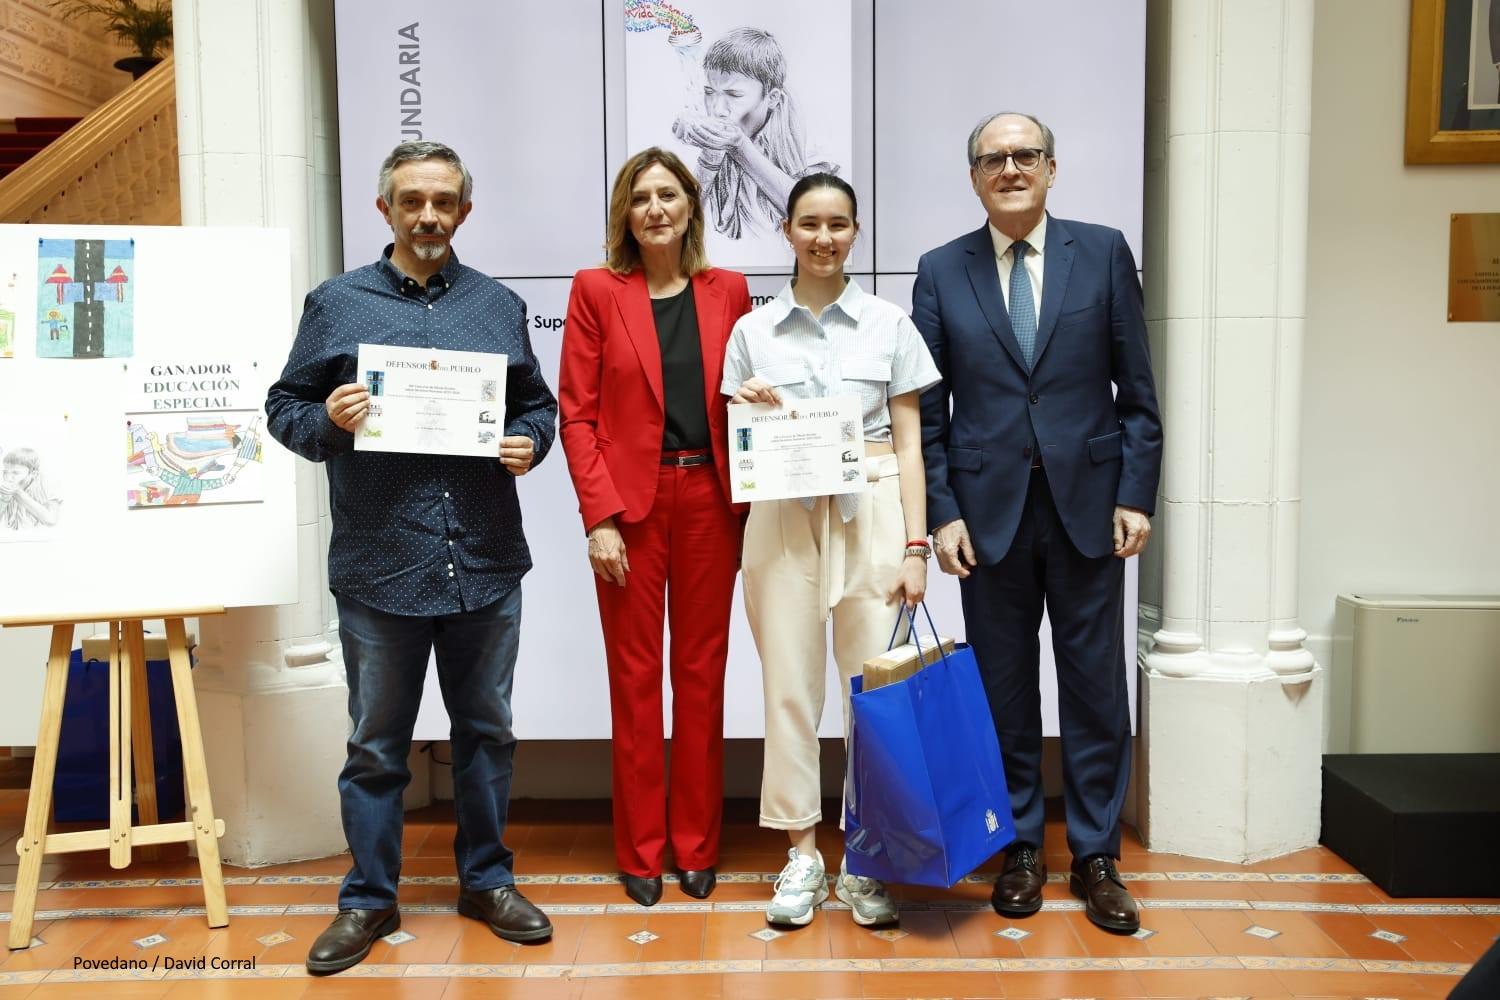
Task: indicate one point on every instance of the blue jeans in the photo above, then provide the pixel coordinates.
(385, 656)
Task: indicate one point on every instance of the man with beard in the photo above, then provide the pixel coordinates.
(426, 553)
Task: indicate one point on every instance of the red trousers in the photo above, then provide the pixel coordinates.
(683, 558)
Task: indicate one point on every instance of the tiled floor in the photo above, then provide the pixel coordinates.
(1305, 925)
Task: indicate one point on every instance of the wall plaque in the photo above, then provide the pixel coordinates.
(1474, 268)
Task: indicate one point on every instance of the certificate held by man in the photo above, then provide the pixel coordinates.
(802, 448)
(432, 401)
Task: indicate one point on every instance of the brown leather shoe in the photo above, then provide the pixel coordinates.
(1018, 889)
(1096, 881)
(509, 914)
(347, 940)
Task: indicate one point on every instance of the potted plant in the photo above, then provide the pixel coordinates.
(145, 27)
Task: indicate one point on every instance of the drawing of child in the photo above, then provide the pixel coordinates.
(24, 501)
(750, 134)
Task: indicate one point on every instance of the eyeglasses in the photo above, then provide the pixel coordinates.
(1026, 160)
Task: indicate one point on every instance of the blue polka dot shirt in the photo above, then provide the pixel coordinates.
(414, 534)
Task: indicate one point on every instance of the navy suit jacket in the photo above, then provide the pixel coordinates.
(1089, 400)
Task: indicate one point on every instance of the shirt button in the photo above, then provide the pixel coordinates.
(450, 566)
(1035, 398)
(445, 492)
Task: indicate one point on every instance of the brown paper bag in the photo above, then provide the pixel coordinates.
(901, 662)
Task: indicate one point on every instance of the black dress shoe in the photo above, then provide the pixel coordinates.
(1018, 888)
(644, 889)
(509, 914)
(698, 882)
(347, 940)
(1096, 881)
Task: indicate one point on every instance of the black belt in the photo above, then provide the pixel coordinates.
(684, 459)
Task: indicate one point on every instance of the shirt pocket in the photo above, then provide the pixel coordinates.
(783, 373)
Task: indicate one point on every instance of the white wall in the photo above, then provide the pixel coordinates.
(1401, 432)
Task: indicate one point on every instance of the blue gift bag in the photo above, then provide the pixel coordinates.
(925, 800)
(80, 783)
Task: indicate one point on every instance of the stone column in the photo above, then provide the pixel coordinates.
(257, 143)
(1233, 719)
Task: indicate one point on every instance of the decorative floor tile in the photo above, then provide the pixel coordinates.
(890, 934)
(1297, 906)
(1013, 934)
(1390, 936)
(1319, 878)
(149, 942)
(272, 940)
(1266, 933)
(642, 937)
(767, 934)
(1218, 877)
(398, 937)
(1144, 934)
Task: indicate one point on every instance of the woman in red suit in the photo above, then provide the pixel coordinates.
(644, 429)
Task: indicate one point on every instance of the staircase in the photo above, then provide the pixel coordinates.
(115, 166)
(30, 137)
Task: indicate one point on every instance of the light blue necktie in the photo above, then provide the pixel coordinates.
(1022, 309)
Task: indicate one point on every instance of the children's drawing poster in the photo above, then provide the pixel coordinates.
(193, 431)
(9, 309)
(33, 461)
(85, 298)
(133, 460)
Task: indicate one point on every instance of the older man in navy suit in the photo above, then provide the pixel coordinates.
(1043, 449)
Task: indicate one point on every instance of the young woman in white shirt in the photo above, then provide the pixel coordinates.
(849, 558)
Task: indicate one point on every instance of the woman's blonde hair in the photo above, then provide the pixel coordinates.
(623, 253)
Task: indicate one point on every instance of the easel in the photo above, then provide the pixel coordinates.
(129, 728)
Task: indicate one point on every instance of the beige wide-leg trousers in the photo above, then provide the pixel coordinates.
(801, 567)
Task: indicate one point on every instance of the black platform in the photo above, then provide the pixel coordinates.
(1416, 824)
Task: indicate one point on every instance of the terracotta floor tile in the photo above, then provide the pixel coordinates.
(1473, 934)
(1351, 932)
(1100, 943)
(931, 984)
(351, 988)
(606, 939)
(1209, 983)
(797, 986)
(1175, 934)
(1226, 931)
(237, 989)
(1426, 938)
(810, 942)
(1300, 984)
(1298, 935)
(1050, 985)
(113, 991)
(922, 934)
(975, 934)
(663, 987)
(1051, 935)
(679, 937)
(726, 937)
(529, 988)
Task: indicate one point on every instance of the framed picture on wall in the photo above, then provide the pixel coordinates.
(1453, 83)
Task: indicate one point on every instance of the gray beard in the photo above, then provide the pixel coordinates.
(429, 251)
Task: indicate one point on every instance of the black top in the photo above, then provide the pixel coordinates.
(681, 372)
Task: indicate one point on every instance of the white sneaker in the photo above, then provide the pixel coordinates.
(868, 899)
(800, 887)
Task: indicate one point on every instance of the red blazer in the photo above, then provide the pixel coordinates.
(610, 395)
